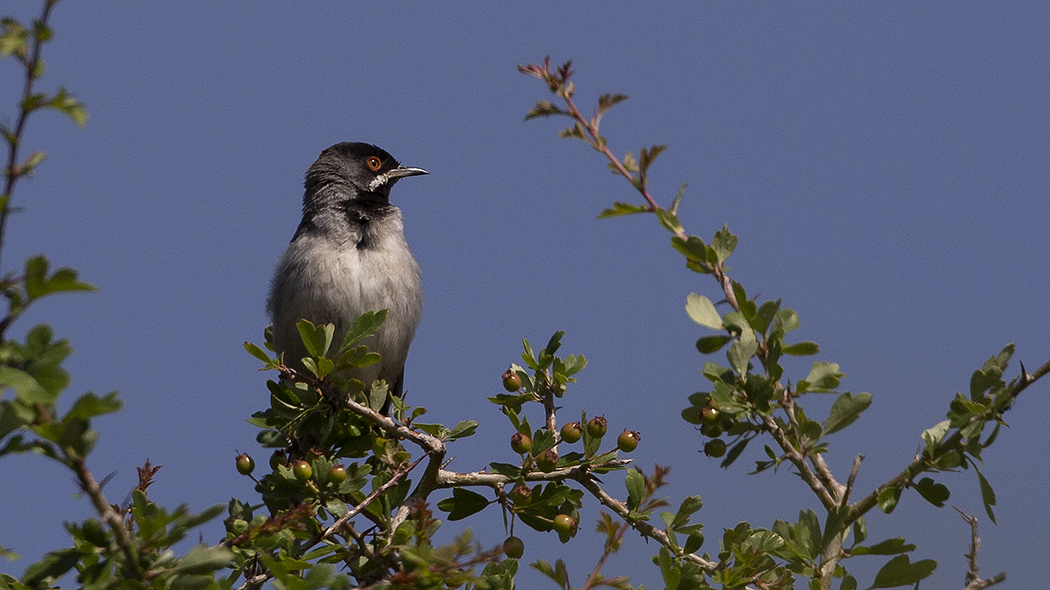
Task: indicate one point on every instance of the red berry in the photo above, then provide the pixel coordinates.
(597, 426)
(514, 547)
(628, 441)
(245, 464)
(511, 381)
(571, 432)
(520, 443)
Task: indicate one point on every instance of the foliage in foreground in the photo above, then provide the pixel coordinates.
(348, 495)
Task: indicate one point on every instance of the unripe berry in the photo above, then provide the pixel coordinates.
(710, 414)
(548, 461)
(514, 547)
(245, 464)
(564, 524)
(520, 443)
(628, 441)
(571, 432)
(715, 448)
(597, 426)
(711, 430)
(520, 493)
(302, 471)
(511, 381)
(277, 459)
(337, 474)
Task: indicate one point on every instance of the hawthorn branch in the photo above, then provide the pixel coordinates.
(109, 516)
(950, 443)
(799, 461)
(973, 576)
(13, 171)
(643, 528)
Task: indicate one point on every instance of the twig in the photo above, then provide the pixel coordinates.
(950, 443)
(110, 516)
(973, 576)
(646, 529)
(852, 478)
(397, 477)
(30, 62)
(610, 546)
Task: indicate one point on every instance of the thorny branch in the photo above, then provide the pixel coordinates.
(973, 576)
(812, 467)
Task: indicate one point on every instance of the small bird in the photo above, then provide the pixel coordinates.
(349, 256)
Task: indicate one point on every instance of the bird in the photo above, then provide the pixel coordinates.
(348, 256)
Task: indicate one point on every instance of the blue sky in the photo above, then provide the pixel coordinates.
(885, 166)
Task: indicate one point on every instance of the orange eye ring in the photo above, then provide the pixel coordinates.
(373, 163)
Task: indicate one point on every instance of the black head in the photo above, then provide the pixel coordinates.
(363, 170)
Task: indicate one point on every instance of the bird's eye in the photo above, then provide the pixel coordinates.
(374, 163)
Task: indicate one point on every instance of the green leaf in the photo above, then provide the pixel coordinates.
(463, 503)
(635, 488)
(543, 108)
(935, 434)
(647, 156)
(13, 38)
(201, 559)
(558, 573)
(26, 387)
(689, 506)
(463, 429)
(506, 469)
(734, 452)
(845, 410)
(363, 327)
(619, 209)
(887, 547)
(801, 349)
(693, 542)
(702, 311)
(887, 499)
(669, 220)
(51, 567)
(724, 243)
(741, 351)
(693, 248)
(987, 494)
(316, 339)
(257, 352)
(607, 101)
(378, 394)
(710, 344)
(90, 405)
(823, 378)
(63, 102)
(900, 571)
(934, 493)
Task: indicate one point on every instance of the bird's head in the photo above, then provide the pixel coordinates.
(357, 171)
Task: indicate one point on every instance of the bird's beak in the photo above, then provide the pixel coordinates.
(402, 171)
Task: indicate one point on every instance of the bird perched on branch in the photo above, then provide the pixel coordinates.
(349, 256)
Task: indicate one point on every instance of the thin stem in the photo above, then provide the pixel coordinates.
(646, 529)
(14, 172)
(609, 548)
(109, 516)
